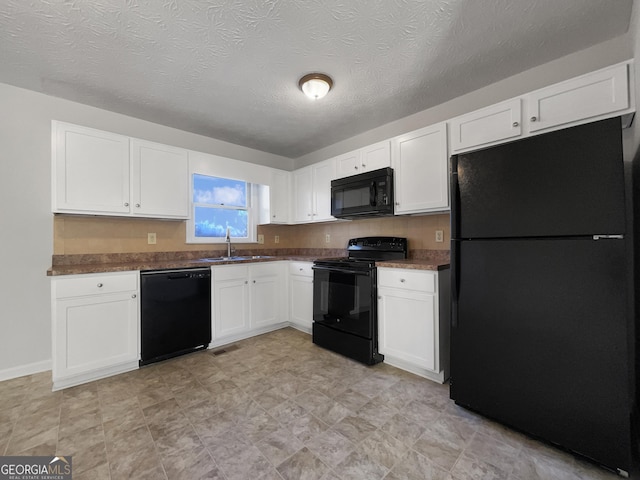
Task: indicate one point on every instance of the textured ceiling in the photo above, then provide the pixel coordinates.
(228, 69)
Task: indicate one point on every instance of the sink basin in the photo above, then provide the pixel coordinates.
(235, 258)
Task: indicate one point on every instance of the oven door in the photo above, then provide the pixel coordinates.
(344, 299)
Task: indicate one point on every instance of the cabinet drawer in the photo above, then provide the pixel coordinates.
(81, 285)
(407, 279)
(230, 272)
(301, 268)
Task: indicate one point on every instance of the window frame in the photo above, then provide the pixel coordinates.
(251, 209)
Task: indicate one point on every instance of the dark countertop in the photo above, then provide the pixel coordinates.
(416, 264)
(102, 263)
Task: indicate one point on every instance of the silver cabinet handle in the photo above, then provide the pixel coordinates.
(397, 203)
(308, 214)
(274, 216)
(246, 281)
(126, 204)
(364, 166)
(356, 167)
(99, 285)
(254, 281)
(534, 119)
(137, 205)
(133, 296)
(515, 124)
(379, 297)
(402, 280)
(302, 269)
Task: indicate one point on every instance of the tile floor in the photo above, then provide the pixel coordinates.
(276, 408)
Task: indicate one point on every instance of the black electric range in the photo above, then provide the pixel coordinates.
(345, 297)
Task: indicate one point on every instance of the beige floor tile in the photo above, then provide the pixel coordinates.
(272, 407)
(304, 465)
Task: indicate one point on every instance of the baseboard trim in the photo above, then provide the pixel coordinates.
(22, 370)
(440, 377)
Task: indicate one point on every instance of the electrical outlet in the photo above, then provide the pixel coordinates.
(276, 239)
(151, 238)
(439, 236)
(260, 238)
(327, 238)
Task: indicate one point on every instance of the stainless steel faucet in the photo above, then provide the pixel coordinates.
(227, 239)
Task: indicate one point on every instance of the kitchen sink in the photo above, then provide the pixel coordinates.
(235, 258)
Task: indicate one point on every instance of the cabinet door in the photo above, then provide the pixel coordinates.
(301, 301)
(407, 327)
(94, 332)
(579, 100)
(376, 156)
(160, 180)
(487, 126)
(90, 170)
(348, 164)
(421, 170)
(265, 300)
(302, 195)
(323, 173)
(279, 197)
(230, 307)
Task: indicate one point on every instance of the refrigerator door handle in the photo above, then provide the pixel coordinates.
(608, 237)
(455, 198)
(455, 281)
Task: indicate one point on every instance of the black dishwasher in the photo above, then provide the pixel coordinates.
(175, 311)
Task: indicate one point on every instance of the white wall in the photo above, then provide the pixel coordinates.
(604, 54)
(26, 238)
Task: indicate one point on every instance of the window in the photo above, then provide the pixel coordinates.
(220, 204)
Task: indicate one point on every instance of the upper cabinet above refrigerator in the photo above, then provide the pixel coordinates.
(587, 98)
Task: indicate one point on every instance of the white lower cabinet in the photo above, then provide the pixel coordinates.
(413, 320)
(95, 322)
(247, 299)
(301, 295)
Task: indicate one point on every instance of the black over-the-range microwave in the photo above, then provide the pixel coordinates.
(362, 195)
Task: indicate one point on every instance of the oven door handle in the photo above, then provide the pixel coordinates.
(341, 270)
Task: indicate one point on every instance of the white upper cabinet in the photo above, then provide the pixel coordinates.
(312, 192)
(348, 164)
(498, 122)
(96, 172)
(302, 195)
(366, 159)
(90, 170)
(279, 197)
(376, 156)
(421, 173)
(160, 180)
(586, 98)
(594, 96)
(323, 173)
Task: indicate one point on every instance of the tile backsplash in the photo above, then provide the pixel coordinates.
(80, 234)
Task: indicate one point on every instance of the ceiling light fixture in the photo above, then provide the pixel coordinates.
(315, 85)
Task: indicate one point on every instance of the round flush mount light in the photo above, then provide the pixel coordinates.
(315, 85)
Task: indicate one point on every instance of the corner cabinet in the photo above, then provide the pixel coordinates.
(247, 300)
(587, 98)
(301, 295)
(413, 321)
(421, 172)
(312, 192)
(95, 324)
(102, 173)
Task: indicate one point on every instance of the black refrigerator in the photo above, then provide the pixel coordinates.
(542, 334)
